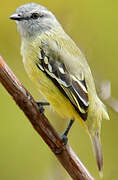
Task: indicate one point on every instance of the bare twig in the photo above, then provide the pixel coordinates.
(104, 91)
(25, 101)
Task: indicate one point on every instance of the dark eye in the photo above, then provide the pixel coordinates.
(35, 16)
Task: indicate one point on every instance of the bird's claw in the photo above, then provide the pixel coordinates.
(41, 106)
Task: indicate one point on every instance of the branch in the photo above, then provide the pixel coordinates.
(25, 101)
(104, 91)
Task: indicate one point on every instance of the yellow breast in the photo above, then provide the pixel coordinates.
(46, 86)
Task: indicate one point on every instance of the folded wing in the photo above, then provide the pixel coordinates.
(73, 88)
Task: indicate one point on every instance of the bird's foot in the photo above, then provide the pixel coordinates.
(65, 133)
(41, 106)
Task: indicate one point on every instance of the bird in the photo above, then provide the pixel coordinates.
(60, 71)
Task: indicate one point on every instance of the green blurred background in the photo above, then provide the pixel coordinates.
(93, 24)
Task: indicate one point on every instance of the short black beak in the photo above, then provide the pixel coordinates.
(16, 17)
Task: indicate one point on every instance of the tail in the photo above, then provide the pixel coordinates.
(96, 114)
(97, 151)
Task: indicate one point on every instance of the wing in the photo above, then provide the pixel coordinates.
(73, 88)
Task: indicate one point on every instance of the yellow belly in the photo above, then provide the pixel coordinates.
(54, 96)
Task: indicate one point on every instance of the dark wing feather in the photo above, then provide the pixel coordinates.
(74, 89)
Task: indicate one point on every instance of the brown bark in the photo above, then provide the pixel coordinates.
(25, 101)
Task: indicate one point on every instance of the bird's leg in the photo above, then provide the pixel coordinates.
(41, 104)
(65, 133)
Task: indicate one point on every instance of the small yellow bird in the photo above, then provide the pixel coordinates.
(60, 71)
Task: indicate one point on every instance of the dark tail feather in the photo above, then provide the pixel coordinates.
(97, 151)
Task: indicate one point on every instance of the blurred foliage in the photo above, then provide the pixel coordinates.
(23, 154)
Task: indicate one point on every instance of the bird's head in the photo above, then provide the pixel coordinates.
(33, 18)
